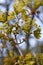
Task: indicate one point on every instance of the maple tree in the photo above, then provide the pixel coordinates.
(24, 10)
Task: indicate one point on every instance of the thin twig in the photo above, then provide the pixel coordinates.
(17, 46)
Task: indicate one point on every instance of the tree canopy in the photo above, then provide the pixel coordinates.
(26, 11)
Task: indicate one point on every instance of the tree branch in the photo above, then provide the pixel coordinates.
(17, 46)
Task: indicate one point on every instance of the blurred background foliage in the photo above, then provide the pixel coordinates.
(21, 32)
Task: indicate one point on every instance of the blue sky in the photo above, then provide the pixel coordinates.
(2, 1)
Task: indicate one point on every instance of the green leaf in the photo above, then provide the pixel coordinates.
(37, 33)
